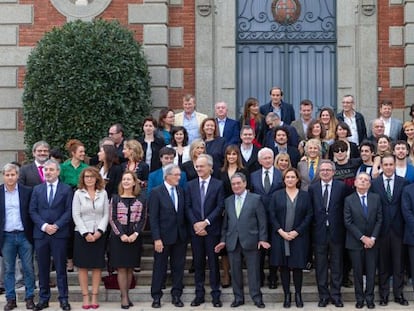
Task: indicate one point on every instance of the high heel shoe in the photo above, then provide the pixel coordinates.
(94, 305)
(86, 306)
(288, 300)
(298, 300)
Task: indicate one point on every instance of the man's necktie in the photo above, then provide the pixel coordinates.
(364, 205)
(267, 182)
(202, 197)
(42, 176)
(311, 170)
(325, 201)
(51, 195)
(389, 194)
(238, 205)
(172, 195)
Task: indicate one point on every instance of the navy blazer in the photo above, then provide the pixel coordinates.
(213, 205)
(29, 175)
(357, 224)
(392, 218)
(24, 201)
(60, 213)
(215, 148)
(167, 224)
(287, 111)
(256, 186)
(335, 215)
(231, 132)
(407, 207)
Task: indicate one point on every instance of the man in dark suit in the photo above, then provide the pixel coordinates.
(243, 233)
(277, 105)
(354, 119)
(116, 133)
(16, 235)
(169, 232)
(389, 187)
(265, 187)
(327, 198)
(51, 212)
(204, 203)
(273, 122)
(363, 220)
(32, 174)
(280, 144)
(228, 128)
(248, 150)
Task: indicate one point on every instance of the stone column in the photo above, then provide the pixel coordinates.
(409, 52)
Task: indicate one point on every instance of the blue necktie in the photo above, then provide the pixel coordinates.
(202, 197)
(364, 205)
(172, 195)
(311, 170)
(50, 200)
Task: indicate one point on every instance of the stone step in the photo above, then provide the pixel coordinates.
(143, 294)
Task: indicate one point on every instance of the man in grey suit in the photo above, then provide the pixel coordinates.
(243, 233)
(392, 125)
(33, 174)
(306, 113)
(363, 220)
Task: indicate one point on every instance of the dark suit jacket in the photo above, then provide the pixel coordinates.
(303, 217)
(287, 111)
(60, 213)
(293, 153)
(231, 132)
(249, 228)
(213, 205)
(167, 224)
(256, 186)
(215, 148)
(357, 224)
(113, 179)
(259, 130)
(335, 215)
(407, 207)
(392, 218)
(29, 175)
(253, 163)
(24, 200)
(360, 123)
(156, 145)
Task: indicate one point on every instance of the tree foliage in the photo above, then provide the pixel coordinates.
(80, 79)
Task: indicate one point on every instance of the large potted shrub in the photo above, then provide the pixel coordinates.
(81, 78)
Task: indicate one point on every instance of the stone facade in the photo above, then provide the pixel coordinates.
(190, 46)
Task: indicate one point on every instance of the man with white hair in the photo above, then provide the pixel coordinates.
(228, 128)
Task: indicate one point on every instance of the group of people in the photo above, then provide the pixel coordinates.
(309, 192)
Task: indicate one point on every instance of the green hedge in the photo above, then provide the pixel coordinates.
(81, 78)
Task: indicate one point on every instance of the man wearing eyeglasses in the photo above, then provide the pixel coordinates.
(116, 133)
(354, 119)
(327, 197)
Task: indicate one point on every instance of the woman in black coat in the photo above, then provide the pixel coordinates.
(290, 216)
(214, 143)
(151, 144)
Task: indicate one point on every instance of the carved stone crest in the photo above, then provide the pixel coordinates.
(286, 12)
(80, 9)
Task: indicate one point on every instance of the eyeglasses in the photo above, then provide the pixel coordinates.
(326, 170)
(339, 150)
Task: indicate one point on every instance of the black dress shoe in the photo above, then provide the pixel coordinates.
(64, 305)
(338, 303)
(323, 303)
(10, 305)
(370, 305)
(41, 305)
(383, 301)
(176, 301)
(236, 304)
(359, 304)
(217, 303)
(156, 303)
(287, 301)
(197, 301)
(401, 300)
(29, 304)
(259, 304)
(298, 300)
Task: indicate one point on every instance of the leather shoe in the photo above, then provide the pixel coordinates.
(298, 300)
(156, 303)
(236, 303)
(41, 305)
(287, 301)
(176, 301)
(217, 303)
(64, 305)
(359, 305)
(323, 303)
(259, 304)
(197, 301)
(338, 303)
(383, 301)
(10, 305)
(29, 304)
(401, 300)
(370, 305)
